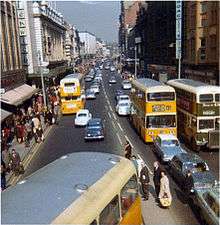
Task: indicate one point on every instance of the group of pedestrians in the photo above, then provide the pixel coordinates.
(26, 123)
(160, 179)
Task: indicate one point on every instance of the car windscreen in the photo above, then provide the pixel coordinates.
(196, 167)
(170, 143)
(82, 115)
(124, 104)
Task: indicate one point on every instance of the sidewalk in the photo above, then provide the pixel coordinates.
(25, 151)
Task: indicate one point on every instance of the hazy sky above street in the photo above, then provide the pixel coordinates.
(98, 17)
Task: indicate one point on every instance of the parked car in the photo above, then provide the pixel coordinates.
(202, 176)
(112, 80)
(123, 108)
(126, 85)
(95, 88)
(94, 130)
(167, 146)
(207, 203)
(123, 98)
(90, 94)
(82, 117)
(118, 92)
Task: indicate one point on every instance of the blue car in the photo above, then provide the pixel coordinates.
(167, 146)
(94, 130)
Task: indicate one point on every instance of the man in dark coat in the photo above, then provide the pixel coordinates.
(145, 180)
(156, 177)
(128, 151)
(189, 184)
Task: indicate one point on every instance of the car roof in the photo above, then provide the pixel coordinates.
(189, 157)
(95, 121)
(167, 137)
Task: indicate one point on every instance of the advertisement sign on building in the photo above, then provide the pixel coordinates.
(178, 28)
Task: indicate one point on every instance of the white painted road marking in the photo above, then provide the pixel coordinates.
(109, 115)
(114, 116)
(119, 138)
(126, 137)
(120, 126)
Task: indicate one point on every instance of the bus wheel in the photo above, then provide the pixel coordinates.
(195, 147)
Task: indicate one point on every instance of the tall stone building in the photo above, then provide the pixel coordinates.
(14, 91)
(201, 32)
(42, 35)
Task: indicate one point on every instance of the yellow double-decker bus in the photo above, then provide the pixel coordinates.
(90, 188)
(72, 93)
(153, 108)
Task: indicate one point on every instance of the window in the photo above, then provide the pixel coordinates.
(202, 54)
(161, 96)
(204, 22)
(203, 42)
(69, 98)
(206, 124)
(129, 194)
(69, 84)
(203, 7)
(161, 121)
(217, 97)
(206, 98)
(110, 214)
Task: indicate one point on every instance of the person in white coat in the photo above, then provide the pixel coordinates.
(164, 186)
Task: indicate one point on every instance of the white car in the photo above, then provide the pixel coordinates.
(126, 85)
(95, 88)
(82, 117)
(123, 108)
(123, 98)
(112, 69)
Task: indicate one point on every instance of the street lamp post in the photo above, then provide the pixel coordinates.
(42, 79)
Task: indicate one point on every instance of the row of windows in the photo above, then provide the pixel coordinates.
(111, 213)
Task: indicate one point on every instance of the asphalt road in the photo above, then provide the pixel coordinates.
(65, 138)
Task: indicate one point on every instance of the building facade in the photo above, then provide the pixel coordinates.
(201, 60)
(12, 70)
(89, 41)
(42, 37)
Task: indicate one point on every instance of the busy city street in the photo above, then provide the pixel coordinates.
(110, 112)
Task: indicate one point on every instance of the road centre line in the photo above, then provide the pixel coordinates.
(114, 116)
(145, 164)
(109, 114)
(120, 126)
(119, 138)
(113, 124)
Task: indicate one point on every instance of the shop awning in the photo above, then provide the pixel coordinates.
(4, 114)
(18, 95)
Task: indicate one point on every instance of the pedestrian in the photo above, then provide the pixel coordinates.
(28, 128)
(128, 150)
(3, 174)
(189, 184)
(145, 180)
(134, 160)
(56, 112)
(156, 177)
(6, 156)
(15, 162)
(164, 187)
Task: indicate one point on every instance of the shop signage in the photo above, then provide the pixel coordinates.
(178, 28)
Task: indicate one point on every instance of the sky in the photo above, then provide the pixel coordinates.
(98, 17)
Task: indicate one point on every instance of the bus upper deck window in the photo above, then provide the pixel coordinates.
(69, 84)
(161, 96)
(129, 194)
(206, 98)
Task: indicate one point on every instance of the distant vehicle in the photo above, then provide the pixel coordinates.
(94, 130)
(112, 80)
(107, 67)
(100, 189)
(95, 88)
(112, 68)
(82, 117)
(98, 79)
(90, 94)
(88, 78)
(207, 203)
(123, 98)
(202, 177)
(101, 67)
(118, 93)
(126, 85)
(167, 146)
(123, 108)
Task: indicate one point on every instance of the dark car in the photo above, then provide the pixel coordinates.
(94, 130)
(202, 177)
(118, 92)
